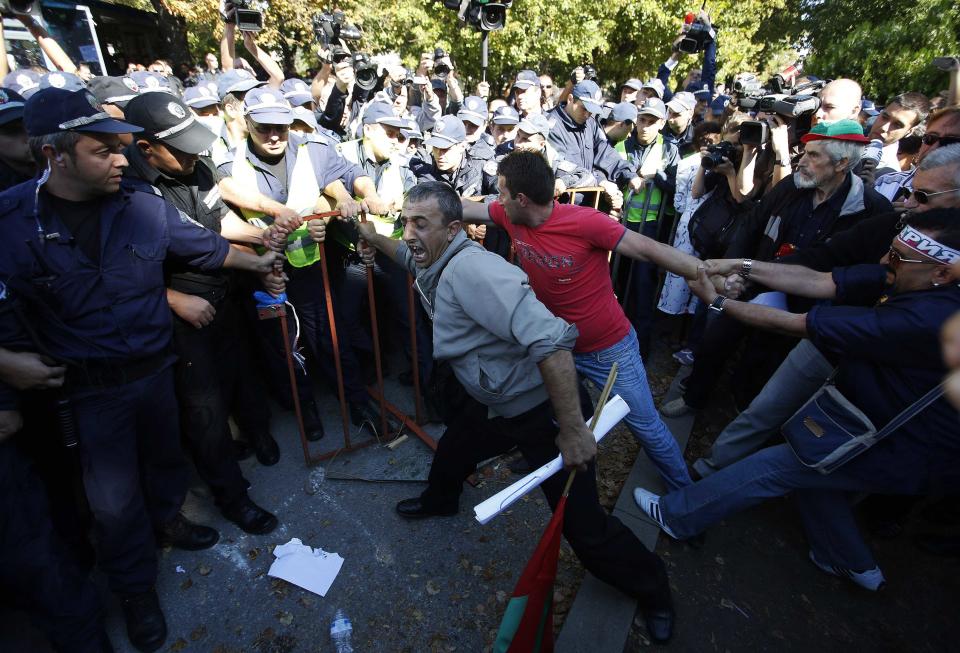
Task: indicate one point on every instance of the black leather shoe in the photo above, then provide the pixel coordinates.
(146, 627)
(249, 516)
(242, 449)
(416, 509)
(659, 625)
(312, 424)
(181, 533)
(265, 448)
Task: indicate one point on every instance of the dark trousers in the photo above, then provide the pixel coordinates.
(392, 282)
(762, 354)
(134, 472)
(37, 571)
(640, 296)
(607, 548)
(207, 374)
(305, 290)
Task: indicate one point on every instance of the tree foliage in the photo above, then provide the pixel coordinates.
(885, 46)
(888, 47)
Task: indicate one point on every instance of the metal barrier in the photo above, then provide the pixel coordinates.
(377, 392)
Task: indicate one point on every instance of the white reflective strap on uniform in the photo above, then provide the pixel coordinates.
(85, 120)
(118, 98)
(176, 129)
(211, 199)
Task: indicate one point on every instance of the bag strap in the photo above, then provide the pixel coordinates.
(910, 412)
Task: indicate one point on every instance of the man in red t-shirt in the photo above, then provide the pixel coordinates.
(563, 249)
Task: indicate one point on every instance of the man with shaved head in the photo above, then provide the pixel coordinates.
(838, 100)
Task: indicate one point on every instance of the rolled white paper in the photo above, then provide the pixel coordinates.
(614, 411)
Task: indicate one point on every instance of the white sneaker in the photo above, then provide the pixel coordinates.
(650, 504)
(871, 579)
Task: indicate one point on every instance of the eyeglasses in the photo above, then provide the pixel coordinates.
(933, 139)
(923, 196)
(896, 258)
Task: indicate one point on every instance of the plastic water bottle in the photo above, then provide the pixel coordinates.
(341, 631)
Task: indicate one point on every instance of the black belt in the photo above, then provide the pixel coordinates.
(112, 372)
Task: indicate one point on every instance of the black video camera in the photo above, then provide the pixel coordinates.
(696, 37)
(717, 153)
(440, 69)
(329, 28)
(589, 72)
(243, 13)
(21, 7)
(365, 70)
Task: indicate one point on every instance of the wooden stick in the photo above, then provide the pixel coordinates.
(608, 386)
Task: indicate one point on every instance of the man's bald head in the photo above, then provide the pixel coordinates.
(838, 100)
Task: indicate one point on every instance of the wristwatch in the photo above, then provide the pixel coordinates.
(717, 304)
(746, 267)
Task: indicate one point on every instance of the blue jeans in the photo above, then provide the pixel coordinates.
(799, 376)
(823, 502)
(643, 420)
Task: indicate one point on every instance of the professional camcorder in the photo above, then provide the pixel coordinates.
(795, 103)
(246, 14)
(330, 27)
(440, 69)
(697, 34)
(365, 70)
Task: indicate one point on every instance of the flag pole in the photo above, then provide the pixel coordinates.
(608, 386)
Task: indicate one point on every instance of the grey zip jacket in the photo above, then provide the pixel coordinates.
(490, 326)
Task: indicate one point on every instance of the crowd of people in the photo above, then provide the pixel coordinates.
(805, 236)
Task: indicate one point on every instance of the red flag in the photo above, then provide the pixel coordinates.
(527, 625)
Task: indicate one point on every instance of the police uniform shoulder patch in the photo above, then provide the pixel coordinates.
(186, 219)
(129, 83)
(490, 167)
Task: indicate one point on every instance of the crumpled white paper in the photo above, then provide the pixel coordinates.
(312, 569)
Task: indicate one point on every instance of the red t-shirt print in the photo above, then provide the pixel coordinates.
(566, 260)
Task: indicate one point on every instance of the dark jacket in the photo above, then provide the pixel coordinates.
(587, 146)
(766, 227)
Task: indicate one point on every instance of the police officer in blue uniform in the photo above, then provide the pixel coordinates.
(84, 258)
(211, 360)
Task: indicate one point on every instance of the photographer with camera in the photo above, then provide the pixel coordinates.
(697, 35)
(228, 58)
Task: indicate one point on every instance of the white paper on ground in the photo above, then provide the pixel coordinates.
(615, 410)
(312, 569)
(773, 299)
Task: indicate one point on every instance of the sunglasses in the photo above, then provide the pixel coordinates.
(923, 196)
(933, 139)
(896, 258)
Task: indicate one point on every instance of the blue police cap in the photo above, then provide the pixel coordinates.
(24, 81)
(52, 110)
(266, 106)
(11, 106)
(200, 97)
(473, 109)
(236, 81)
(296, 92)
(381, 113)
(446, 133)
(150, 82)
(66, 81)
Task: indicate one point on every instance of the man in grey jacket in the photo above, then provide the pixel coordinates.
(517, 387)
